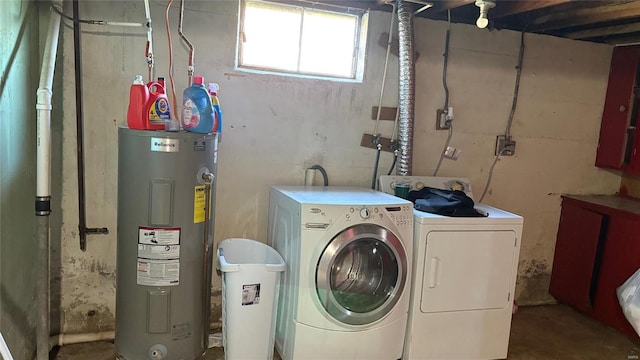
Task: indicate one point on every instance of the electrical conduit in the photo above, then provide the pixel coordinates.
(43, 190)
(406, 87)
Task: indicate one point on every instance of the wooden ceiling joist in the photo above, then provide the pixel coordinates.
(604, 31)
(585, 16)
(444, 5)
(508, 8)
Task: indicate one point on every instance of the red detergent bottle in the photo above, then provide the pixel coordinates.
(138, 99)
(157, 110)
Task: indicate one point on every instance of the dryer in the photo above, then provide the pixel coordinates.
(345, 294)
(464, 278)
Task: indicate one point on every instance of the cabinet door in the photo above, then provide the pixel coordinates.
(620, 260)
(575, 256)
(467, 270)
(617, 108)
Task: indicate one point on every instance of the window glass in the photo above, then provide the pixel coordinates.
(291, 39)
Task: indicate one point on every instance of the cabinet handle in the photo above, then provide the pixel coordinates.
(622, 108)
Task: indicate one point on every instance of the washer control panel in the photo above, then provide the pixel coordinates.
(400, 215)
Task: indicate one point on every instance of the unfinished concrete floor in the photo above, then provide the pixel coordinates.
(551, 332)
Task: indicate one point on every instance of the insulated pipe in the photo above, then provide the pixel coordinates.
(406, 87)
(43, 190)
(190, 69)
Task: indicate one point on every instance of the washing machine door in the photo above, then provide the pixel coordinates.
(361, 274)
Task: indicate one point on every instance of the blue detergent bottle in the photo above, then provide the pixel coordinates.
(197, 111)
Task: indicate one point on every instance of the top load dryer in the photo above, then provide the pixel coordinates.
(345, 294)
(464, 278)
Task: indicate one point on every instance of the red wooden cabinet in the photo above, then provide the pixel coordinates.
(575, 256)
(618, 144)
(597, 249)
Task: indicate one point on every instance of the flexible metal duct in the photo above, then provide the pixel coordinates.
(406, 87)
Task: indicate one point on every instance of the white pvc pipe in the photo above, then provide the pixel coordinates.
(43, 182)
(4, 349)
(67, 339)
(43, 105)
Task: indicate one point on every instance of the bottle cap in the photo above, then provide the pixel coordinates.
(198, 80)
(138, 80)
(213, 88)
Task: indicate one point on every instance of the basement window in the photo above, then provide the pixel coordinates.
(295, 40)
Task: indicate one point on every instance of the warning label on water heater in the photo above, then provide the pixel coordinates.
(158, 272)
(158, 256)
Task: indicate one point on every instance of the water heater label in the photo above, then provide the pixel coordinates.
(165, 145)
(158, 236)
(158, 272)
(199, 204)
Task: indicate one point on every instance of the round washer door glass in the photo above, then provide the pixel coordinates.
(361, 274)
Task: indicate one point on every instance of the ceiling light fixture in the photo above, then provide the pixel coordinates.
(484, 6)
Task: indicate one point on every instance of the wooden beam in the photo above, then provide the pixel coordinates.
(508, 8)
(444, 5)
(604, 31)
(586, 16)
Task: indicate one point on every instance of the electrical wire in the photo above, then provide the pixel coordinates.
(446, 145)
(446, 63)
(493, 165)
(507, 132)
(446, 93)
(171, 82)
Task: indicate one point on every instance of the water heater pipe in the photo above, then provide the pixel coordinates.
(190, 69)
(43, 183)
(207, 263)
(406, 87)
(149, 49)
(83, 230)
(67, 339)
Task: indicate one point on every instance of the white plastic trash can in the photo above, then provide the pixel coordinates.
(250, 277)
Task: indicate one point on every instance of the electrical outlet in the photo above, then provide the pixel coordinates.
(441, 120)
(505, 146)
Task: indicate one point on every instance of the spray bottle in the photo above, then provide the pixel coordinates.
(213, 93)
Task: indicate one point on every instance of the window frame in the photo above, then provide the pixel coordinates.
(359, 44)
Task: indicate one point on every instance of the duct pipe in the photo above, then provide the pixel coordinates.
(406, 87)
(43, 176)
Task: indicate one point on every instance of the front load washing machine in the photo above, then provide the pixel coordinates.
(345, 293)
(464, 278)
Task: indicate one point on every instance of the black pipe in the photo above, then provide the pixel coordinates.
(82, 221)
(82, 209)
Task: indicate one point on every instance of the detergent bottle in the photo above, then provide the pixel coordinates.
(157, 110)
(213, 92)
(138, 99)
(197, 111)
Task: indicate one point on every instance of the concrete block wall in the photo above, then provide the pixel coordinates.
(275, 127)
